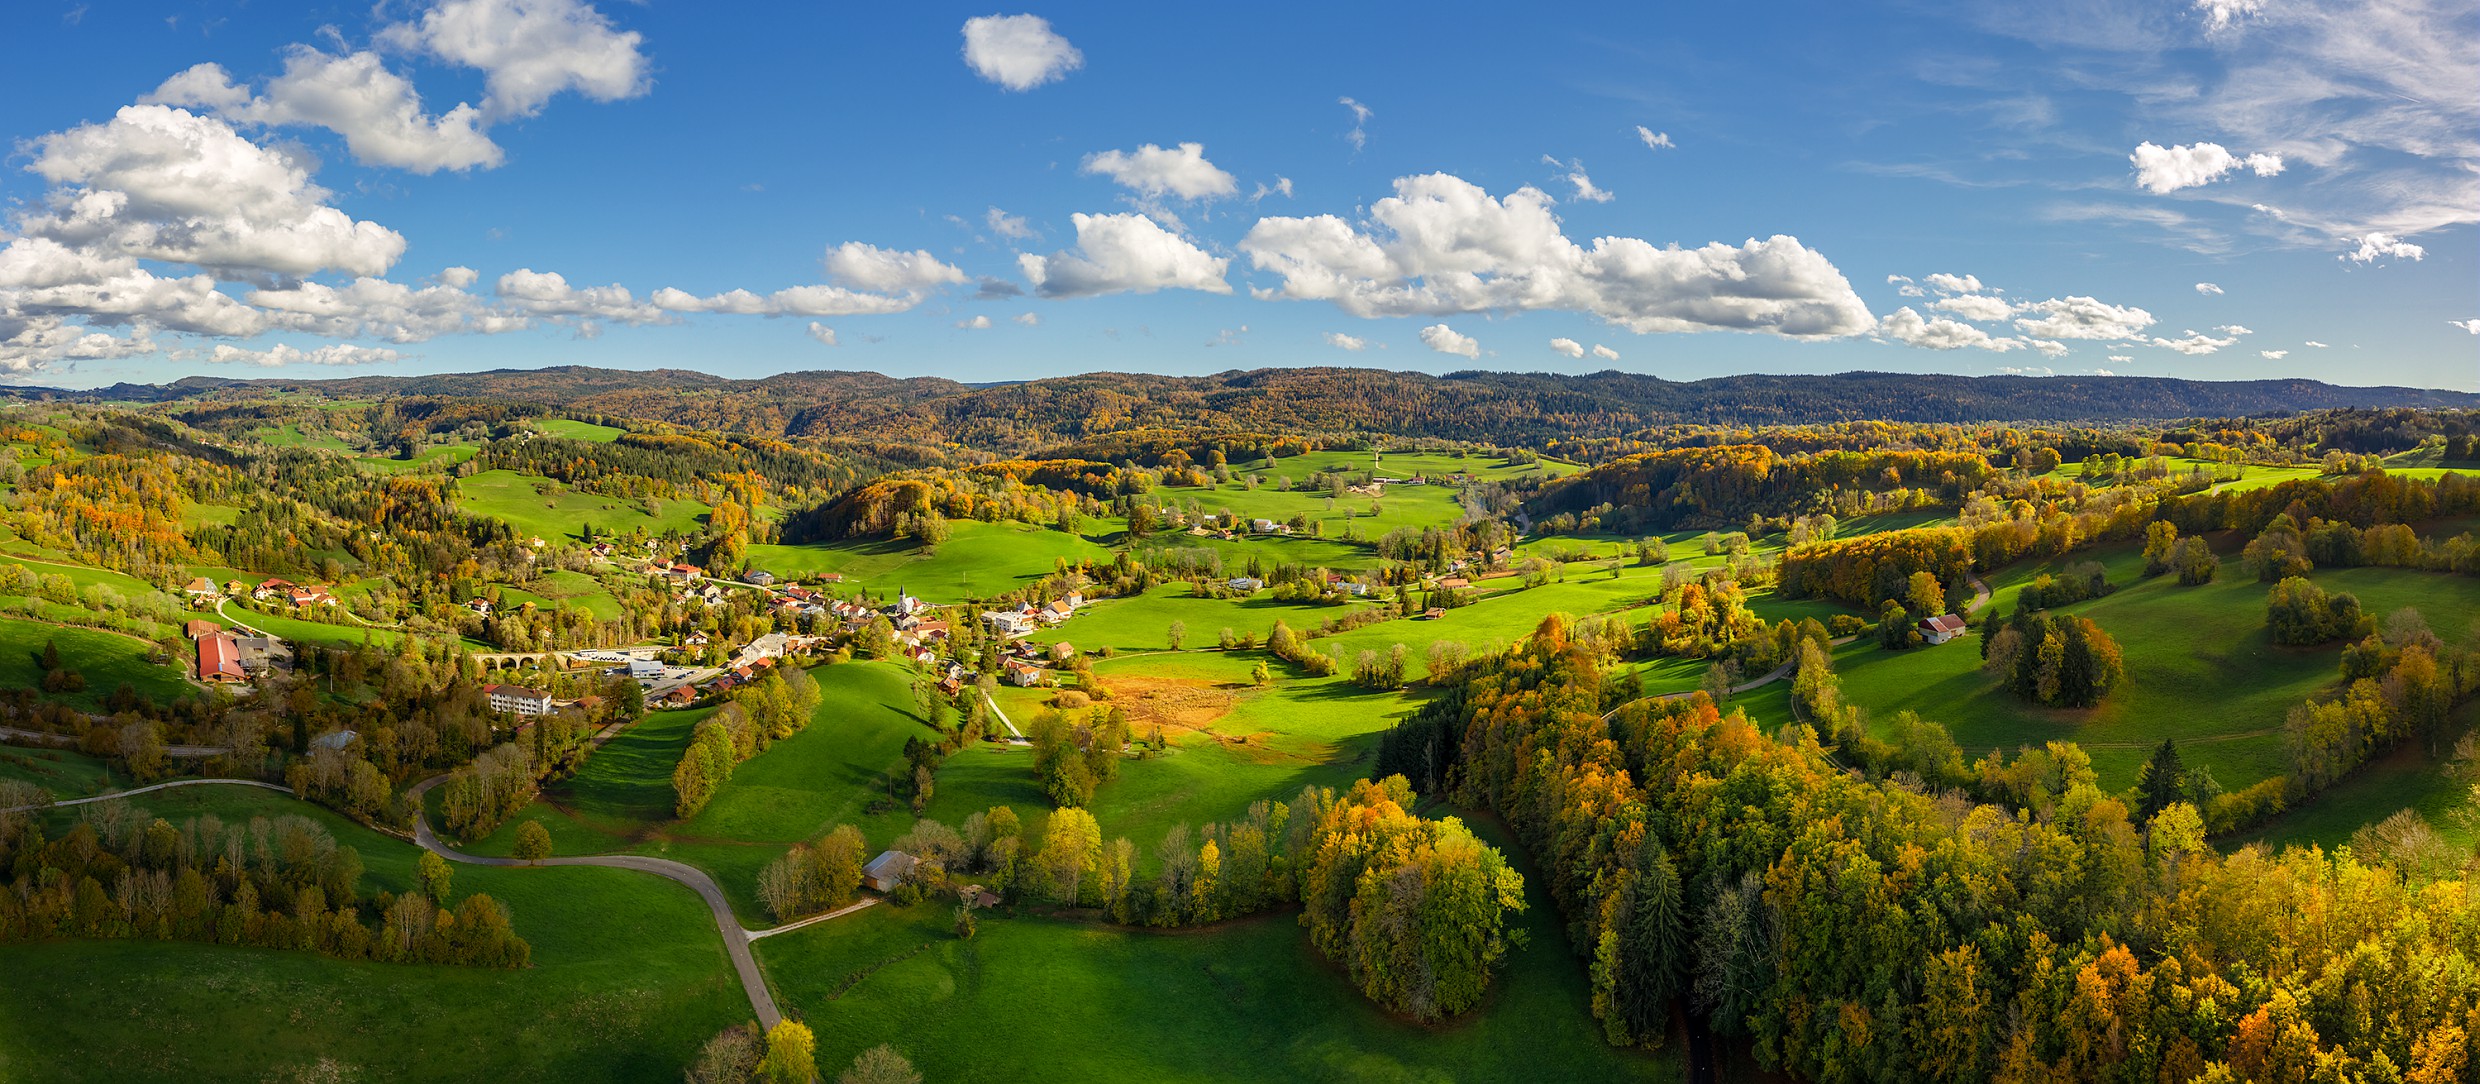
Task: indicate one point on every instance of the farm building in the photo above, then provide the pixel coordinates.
(1943, 627)
(887, 870)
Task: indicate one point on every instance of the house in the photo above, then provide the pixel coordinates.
(888, 870)
(830, 577)
(310, 596)
(1006, 623)
(681, 696)
(1262, 526)
(1063, 651)
(683, 573)
(1454, 583)
(270, 588)
(518, 700)
(219, 660)
(480, 605)
(1023, 674)
(1943, 627)
(931, 630)
(601, 550)
(695, 639)
(199, 587)
(1062, 607)
(761, 577)
(1433, 613)
(201, 627)
(236, 588)
(1245, 584)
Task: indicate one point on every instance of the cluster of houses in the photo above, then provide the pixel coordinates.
(204, 593)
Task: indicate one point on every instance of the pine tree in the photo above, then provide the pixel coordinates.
(2161, 782)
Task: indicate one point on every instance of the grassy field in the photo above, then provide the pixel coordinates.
(977, 561)
(292, 436)
(565, 588)
(1143, 622)
(2201, 668)
(106, 659)
(65, 773)
(628, 979)
(823, 776)
(1230, 744)
(2406, 777)
(572, 429)
(433, 457)
(1247, 1000)
(316, 632)
(520, 501)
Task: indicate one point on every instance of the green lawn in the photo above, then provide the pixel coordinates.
(823, 776)
(977, 561)
(628, 980)
(65, 773)
(435, 456)
(519, 499)
(572, 429)
(106, 659)
(1266, 744)
(315, 632)
(1247, 1000)
(1143, 622)
(2201, 668)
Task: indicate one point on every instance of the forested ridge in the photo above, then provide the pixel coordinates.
(1506, 408)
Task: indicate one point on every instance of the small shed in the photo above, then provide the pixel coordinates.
(888, 870)
(1943, 627)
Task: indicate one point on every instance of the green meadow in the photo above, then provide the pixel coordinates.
(107, 660)
(628, 979)
(538, 506)
(1246, 1000)
(2201, 668)
(977, 561)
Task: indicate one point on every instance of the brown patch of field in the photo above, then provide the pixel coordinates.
(1177, 705)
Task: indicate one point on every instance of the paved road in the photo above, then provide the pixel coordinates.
(735, 939)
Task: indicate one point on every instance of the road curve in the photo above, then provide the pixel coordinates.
(735, 939)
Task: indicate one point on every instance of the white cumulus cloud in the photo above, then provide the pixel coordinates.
(1586, 190)
(2273, 355)
(1019, 52)
(1442, 245)
(2163, 170)
(2208, 289)
(1341, 341)
(1124, 253)
(977, 323)
(282, 354)
(1605, 353)
(821, 332)
(1569, 347)
(2195, 343)
(529, 50)
(1653, 140)
(2380, 246)
(1447, 340)
(1155, 171)
(2083, 318)
(1980, 307)
(2471, 325)
(1954, 284)
(1905, 326)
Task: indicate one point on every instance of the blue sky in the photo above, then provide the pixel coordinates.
(2217, 189)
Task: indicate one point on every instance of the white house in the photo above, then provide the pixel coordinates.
(1943, 627)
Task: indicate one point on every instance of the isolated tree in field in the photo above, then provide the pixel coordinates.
(1261, 675)
(2196, 563)
(1176, 635)
(791, 1054)
(533, 842)
(2162, 781)
(1071, 846)
(731, 1057)
(432, 873)
(2161, 543)
(879, 1065)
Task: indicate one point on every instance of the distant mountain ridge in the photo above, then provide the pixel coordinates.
(1470, 405)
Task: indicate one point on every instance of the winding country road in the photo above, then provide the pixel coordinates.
(735, 939)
